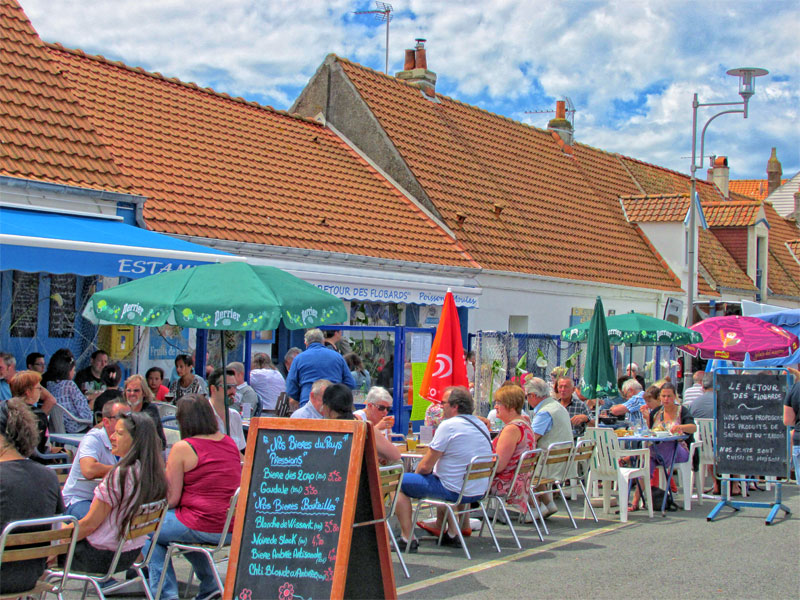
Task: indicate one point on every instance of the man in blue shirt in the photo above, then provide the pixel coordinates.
(317, 362)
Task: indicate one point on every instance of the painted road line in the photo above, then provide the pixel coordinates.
(490, 564)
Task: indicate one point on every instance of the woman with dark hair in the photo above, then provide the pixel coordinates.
(59, 376)
(26, 386)
(187, 382)
(138, 478)
(155, 377)
(27, 490)
(111, 376)
(359, 373)
(337, 403)
(203, 470)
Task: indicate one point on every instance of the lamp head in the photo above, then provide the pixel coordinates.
(747, 80)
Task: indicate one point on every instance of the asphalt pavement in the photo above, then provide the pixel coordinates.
(681, 555)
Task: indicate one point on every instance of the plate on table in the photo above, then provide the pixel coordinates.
(662, 433)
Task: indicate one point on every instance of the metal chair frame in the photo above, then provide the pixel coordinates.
(480, 467)
(584, 449)
(559, 454)
(40, 544)
(391, 476)
(210, 551)
(529, 462)
(148, 520)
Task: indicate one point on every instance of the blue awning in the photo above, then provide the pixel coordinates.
(34, 240)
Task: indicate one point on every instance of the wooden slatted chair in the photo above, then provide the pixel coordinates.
(391, 476)
(581, 462)
(214, 553)
(282, 405)
(51, 536)
(480, 467)
(148, 520)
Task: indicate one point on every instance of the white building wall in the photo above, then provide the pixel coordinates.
(548, 303)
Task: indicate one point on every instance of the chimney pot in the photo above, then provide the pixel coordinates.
(720, 175)
(561, 125)
(774, 172)
(421, 61)
(561, 109)
(410, 60)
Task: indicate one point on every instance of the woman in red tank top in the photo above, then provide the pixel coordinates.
(203, 471)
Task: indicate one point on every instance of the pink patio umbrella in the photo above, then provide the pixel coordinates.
(732, 337)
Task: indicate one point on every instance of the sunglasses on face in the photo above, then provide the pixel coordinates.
(382, 408)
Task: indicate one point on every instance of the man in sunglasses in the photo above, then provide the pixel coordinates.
(376, 411)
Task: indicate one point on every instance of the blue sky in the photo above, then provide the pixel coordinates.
(629, 67)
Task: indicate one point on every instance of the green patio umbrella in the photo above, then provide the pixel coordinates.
(635, 329)
(233, 296)
(599, 378)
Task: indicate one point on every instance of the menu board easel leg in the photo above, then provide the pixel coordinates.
(738, 505)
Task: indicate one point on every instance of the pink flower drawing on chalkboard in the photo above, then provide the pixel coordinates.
(286, 592)
(245, 594)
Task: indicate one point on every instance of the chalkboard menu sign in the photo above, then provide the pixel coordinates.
(24, 304)
(63, 290)
(303, 483)
(751, 436)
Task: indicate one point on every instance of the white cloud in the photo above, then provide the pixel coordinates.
(630, 67)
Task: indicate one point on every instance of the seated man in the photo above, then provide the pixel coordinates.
(633, 394)
(216, 395)
(267, 383)
(440, 474)
(92, 461)
(313, 408)
(244, 393)
(376, 410)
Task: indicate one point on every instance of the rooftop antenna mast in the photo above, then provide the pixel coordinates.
(570, 110)
(383, 12)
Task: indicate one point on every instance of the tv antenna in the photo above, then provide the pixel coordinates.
(383, 12)
(570, 111)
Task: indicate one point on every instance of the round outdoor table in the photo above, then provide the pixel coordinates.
(641, 439)
(67, 439)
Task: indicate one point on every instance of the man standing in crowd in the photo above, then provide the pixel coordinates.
(92, 461)
(284, 367)
(633, 371)
(88, 380)
(245, 394)
(335, 341)
(267, 383)
(317, 362)
(35, 362)
(703, 405)
(578, 412)
(313, 408)
(440, 474)
(216, 395)
(550, 423)
(7, 370)
(694, 392)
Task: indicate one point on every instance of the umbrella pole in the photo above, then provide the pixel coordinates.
(224, 383)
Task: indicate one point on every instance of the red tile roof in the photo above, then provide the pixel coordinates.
(794, 246)
(220, 167)
(731, 213)
(561, 215)
(719, 264)
(45, 133)
(666, 208)
(754, 188)
(783, 269)
(654, 180)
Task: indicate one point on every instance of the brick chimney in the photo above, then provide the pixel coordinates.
(415, 70)
(561, 125)
(719, 174)
(774, 172)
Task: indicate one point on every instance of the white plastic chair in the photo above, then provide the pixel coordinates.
(606, 468)
(56, 417)
(705, 433)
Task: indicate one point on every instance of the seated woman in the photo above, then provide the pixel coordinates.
(138, 478)
(203, 470)
(676, 419)
(515, 438)
(337, 403)
(18, 477)
(59, 376)
(187, 382)
(155, 379)
(26, 386)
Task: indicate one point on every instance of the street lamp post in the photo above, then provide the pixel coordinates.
(747, 87)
